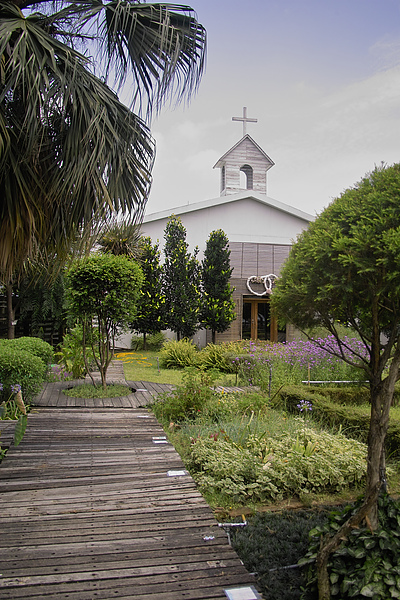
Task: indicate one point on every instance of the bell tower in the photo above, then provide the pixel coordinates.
(246, 158)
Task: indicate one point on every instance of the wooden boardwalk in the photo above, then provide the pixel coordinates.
(95, 504)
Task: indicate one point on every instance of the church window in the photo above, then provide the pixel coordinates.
(248, 172)
(223, 184)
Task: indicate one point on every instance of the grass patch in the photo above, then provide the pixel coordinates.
(144, 366)
(87, 390)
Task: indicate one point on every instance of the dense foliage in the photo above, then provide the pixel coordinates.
(105, 288)
(344, 269)
(367, 564)
(217, 307)
(181, 281)
(150, 312)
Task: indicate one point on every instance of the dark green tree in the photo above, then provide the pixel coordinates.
(42, 301)
(217, 307)
(102, 292)
(345, 268)
(181, 281)
(150, 313)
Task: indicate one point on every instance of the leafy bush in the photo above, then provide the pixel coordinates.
(187, 400)
(367, 564)
(20, 367)
(220, 356)
(179, 354)
(154, 342)
(266, 468)
(34, 345)
(70, 355)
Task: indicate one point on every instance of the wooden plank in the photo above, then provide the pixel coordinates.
(89, 511)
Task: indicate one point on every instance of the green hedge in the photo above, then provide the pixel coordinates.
(18, 366)
(354, 420)
(35, 346)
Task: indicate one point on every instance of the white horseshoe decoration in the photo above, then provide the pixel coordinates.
(267, 280)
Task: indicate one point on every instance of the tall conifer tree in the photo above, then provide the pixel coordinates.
(181, 281)
(217, 310)
(151, 303)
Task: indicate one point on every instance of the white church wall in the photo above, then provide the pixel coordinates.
(242, 220)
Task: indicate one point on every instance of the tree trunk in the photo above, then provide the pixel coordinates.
(330, 544)
(10, 312)
(144, 341)
(213, 335)
(381, 393)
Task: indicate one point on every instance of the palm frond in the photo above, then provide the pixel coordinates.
(158, 49)
(70, 152)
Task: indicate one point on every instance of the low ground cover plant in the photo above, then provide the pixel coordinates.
(89, 391)
(241, 451)
(367, 564)
(271, 545)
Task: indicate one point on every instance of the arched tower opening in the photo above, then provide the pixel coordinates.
(247, 170)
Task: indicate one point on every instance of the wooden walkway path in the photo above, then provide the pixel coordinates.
(95, 504)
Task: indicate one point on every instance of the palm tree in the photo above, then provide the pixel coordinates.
(121, 238)
(70, 151)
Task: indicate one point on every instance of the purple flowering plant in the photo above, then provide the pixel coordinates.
(301, 360)
(13, 406)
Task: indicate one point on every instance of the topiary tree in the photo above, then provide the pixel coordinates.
(103, 291)
(217, 307)
(345, 269)
(181, 281)
(151, 302)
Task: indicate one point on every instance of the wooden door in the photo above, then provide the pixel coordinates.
(257, 323)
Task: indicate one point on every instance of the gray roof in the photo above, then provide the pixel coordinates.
(221, 200)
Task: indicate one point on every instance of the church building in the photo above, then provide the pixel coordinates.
(260, 230)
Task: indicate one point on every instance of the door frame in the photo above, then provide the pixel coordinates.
(273, 330)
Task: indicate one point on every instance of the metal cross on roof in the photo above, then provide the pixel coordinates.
(245, 120)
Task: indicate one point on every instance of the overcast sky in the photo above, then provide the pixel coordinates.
(321, 76)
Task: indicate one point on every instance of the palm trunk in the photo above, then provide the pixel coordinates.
(10, 312)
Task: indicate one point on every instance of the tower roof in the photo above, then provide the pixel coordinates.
(232, 153)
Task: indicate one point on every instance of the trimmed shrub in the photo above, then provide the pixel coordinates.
(179, 354)
(355, 395)
(35, 346)
(18, 366)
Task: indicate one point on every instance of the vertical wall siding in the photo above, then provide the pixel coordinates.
(249, 259)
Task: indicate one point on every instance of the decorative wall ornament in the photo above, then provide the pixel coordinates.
(267, 280)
